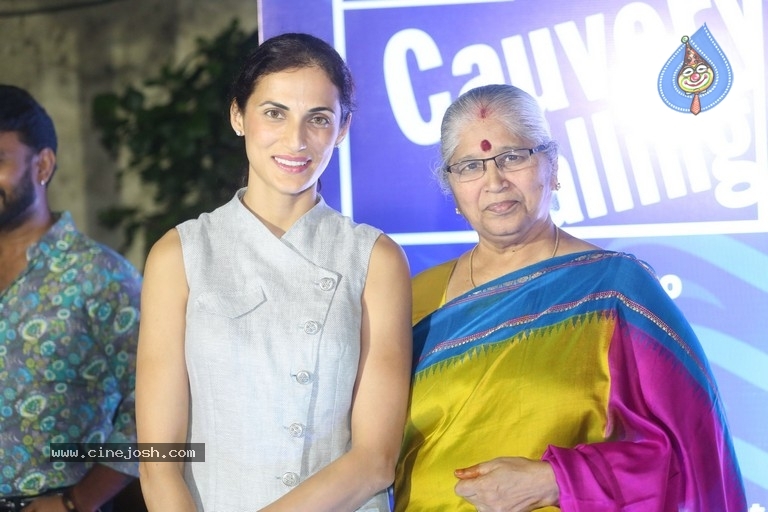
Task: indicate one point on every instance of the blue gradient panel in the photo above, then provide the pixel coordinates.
(639, 172)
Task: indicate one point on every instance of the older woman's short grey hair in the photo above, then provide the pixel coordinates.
(517, 109)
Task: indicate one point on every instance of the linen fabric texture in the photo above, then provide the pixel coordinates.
(272, 349)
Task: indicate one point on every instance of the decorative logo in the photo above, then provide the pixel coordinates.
(697, 76)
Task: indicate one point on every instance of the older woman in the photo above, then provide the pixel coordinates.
(548, 372)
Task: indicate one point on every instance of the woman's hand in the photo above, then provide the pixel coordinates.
(508, 484)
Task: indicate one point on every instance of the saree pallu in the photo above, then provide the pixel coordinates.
(582, 361)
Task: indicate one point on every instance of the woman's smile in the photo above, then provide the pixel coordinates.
(292, 165)
(502, 207)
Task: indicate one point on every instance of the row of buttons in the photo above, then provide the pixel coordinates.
(312, 327)
(296, 430)
(289, 478)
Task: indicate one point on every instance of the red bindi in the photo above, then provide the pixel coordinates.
(485, 145)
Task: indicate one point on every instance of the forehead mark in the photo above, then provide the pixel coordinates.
(485, 145)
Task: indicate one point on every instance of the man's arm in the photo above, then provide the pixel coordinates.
(99, 485)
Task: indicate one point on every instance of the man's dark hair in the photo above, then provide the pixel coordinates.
(20, 113)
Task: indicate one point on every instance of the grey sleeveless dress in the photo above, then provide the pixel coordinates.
(272, 349)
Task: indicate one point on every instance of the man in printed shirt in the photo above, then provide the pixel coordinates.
(69, 313)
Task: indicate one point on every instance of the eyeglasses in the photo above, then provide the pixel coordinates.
(508, 161)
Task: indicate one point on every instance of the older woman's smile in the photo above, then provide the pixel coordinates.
(502, 207)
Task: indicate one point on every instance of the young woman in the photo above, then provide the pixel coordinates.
(275, 330)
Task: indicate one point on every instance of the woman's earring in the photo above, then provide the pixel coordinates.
(238, 133)
(557, 187)
(458, 212)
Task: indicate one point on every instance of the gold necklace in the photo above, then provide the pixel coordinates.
(472, 256)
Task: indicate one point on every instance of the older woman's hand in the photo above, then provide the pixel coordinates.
(508, 484)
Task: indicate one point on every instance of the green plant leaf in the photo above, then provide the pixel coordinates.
(179, 142)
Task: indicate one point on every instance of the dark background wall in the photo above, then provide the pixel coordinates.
(67, 51)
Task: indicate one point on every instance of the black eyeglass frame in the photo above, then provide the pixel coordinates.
(484, 161)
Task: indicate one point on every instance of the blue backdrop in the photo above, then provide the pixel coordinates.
(640, 172)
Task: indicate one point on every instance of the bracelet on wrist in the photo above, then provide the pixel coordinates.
(69, 501)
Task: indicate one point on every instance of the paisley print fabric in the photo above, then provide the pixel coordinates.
(68, 334)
